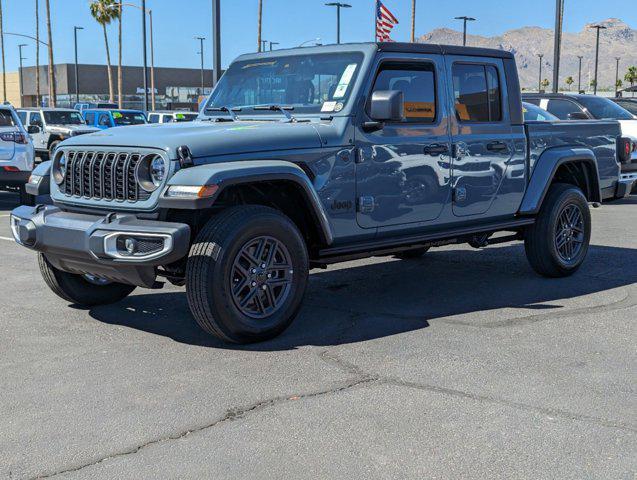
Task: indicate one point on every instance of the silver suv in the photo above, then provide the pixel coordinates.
(49, 126)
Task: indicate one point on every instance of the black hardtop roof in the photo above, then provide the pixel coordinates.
(434, 48)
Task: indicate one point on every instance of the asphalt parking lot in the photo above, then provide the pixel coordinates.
(462, 364)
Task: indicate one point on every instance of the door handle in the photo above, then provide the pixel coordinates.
(436, 149)
(497, 146)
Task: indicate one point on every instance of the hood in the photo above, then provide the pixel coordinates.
(205, 138)
(71, 129)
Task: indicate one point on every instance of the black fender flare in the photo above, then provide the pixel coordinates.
(545, 169)
(226, 174)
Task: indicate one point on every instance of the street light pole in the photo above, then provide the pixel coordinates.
(145, 55)
(598, 28)
(338, 6)
(539, 81)
(579, 74)
(201, 39)
(617, 59)
(216, 41)
(152, 62)
(21, 84)
(464, 27)
(77, 78)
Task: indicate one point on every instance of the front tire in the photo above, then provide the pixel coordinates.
(246, 274)
(79, 289)
(557, 244)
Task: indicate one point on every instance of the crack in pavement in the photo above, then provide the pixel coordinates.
(231, 414)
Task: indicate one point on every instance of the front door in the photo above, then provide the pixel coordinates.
(489, 153)
(40, 139)
(403, 169)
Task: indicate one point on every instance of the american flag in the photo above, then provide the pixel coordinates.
(385, 21)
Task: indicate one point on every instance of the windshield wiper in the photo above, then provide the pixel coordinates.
(229, 111)
(278, 108)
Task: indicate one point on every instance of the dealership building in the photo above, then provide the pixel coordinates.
(174, 87)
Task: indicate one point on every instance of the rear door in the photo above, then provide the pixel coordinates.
(402, 170)
(488, 172)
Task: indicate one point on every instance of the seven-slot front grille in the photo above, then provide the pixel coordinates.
(102, 175)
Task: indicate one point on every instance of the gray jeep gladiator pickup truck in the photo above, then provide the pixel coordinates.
(306, 157)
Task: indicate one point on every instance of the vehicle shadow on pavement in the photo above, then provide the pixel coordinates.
(389, 297)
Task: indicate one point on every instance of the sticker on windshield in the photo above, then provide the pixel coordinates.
(117, 115)
(328, 107)
(180, 116)
(346, 78)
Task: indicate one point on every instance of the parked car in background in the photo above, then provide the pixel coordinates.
(379, 149)
(80, 107)
(629, 104)
(105, 118)
(49, 126)
(533, 113)
(168, 116)
(17, 155)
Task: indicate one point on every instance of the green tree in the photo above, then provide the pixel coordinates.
(631, 76)
(545, 83)
(619, 84)
(593, 83)
(569, 81)
(104, 12)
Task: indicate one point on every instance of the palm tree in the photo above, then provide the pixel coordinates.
(4, 76)
(569, 81)
(37, 52)
(104, 12)
(545, 83)
(631, 77)
(120, 86)
(52, 89)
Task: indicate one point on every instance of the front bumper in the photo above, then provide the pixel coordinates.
(118, 247)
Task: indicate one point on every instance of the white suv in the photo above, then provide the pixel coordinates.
(17, 155)
(170, 116)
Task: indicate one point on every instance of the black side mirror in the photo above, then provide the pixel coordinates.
(387, 106)
(34, 129)
(577, 116)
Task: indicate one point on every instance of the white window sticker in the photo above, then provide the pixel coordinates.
(346, 78)
(328, 106)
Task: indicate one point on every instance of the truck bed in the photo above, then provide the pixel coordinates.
(598, 135)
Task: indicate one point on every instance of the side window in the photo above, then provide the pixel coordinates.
(36, 119)
(562, 108)
(90, 118)
(477, 94)
(23, 117)
(104, 120)
(534, 101)
(153, 118)
(167, 119)
(418, 86)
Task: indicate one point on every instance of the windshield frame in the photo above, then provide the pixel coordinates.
(591, 100)
(47, 113)
(366, 52)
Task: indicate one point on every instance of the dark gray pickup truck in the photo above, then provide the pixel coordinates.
(306, 157)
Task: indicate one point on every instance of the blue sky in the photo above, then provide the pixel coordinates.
(289, 22)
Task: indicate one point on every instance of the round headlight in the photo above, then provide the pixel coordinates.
(151, 172)
(157, 170)
(58, 169)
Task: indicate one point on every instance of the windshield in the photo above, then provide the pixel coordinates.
(602, 108)
(533, 113)
(308, 83)
(628, 105)
(128, 118)
(62, 117)
(185, 117)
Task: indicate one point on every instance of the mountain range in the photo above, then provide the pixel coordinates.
(618, 40)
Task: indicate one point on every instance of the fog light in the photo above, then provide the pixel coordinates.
(14, 227)
(131, 246)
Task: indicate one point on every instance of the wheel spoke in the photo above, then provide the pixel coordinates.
(248, 298)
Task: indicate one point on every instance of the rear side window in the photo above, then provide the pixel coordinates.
(167, 119)
(562, 108)
(90, 118)
(6, 119)
(418, 86)
(104, 120)
(477, 93)
(153, 118)
(36, 119)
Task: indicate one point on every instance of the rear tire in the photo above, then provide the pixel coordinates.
(557, 244)
(412, 254)
(246, 274)
(77, 289)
